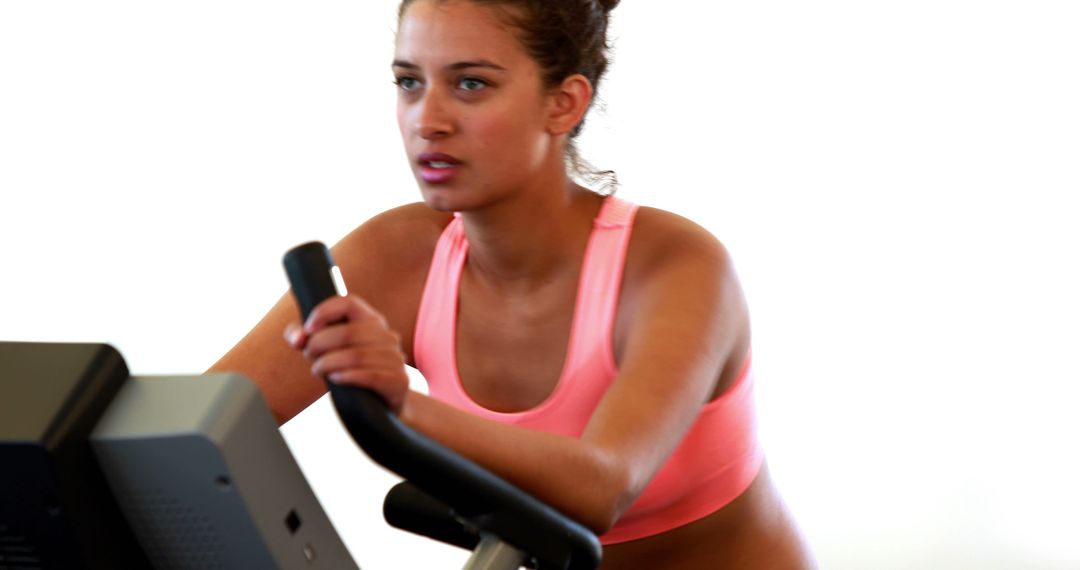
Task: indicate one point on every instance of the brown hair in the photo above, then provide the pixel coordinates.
(564, 37)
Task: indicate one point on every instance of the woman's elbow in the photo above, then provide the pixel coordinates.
(599, 518)
(608, 503)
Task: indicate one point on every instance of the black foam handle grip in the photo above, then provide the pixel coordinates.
(309, 268)
(489, 502)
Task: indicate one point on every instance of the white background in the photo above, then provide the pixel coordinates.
(896, 181)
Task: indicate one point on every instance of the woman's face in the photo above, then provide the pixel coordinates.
(471, 105)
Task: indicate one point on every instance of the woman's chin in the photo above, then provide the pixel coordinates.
(438, 201)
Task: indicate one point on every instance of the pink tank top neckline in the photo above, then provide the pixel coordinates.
(716, 460)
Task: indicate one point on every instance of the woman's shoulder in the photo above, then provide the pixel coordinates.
(398, 230)
(661, 237)
(678, 274)
(416, 219)
(672, 256)
(392, 244)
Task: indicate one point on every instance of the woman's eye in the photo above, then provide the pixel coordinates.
(472, 84)
(406, 83)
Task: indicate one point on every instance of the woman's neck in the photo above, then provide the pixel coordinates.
(531, 239)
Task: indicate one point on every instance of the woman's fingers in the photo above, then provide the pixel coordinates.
(337, 309)
(379, 367)
(349, 342)
(376, 356)
(362, 336)
(295, 336)
(386, 383)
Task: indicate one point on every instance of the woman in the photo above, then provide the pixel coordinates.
(594, 353)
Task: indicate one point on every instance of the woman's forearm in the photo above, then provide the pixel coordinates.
(573, 476)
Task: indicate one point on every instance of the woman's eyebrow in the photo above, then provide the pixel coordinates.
(483, 63)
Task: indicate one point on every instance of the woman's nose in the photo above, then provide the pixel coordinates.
(432, 119)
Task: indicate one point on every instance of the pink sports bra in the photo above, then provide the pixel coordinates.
(717, 459)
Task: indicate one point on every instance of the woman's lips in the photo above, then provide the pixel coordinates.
(437, 168)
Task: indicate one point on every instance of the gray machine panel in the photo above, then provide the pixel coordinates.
(206, 480)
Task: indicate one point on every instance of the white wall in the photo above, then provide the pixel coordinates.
(894, 180)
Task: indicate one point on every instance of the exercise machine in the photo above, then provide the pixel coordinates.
(445, 496)
(101, 469)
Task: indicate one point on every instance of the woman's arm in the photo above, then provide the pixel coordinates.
(688, 317)
(282, 375)
(384, 260)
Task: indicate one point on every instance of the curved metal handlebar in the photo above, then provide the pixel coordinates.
(485, 501)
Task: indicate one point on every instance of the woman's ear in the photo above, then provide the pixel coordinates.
(569, 103)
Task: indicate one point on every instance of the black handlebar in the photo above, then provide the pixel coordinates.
(485, 502)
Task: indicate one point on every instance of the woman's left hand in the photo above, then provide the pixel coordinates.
(348, 342)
